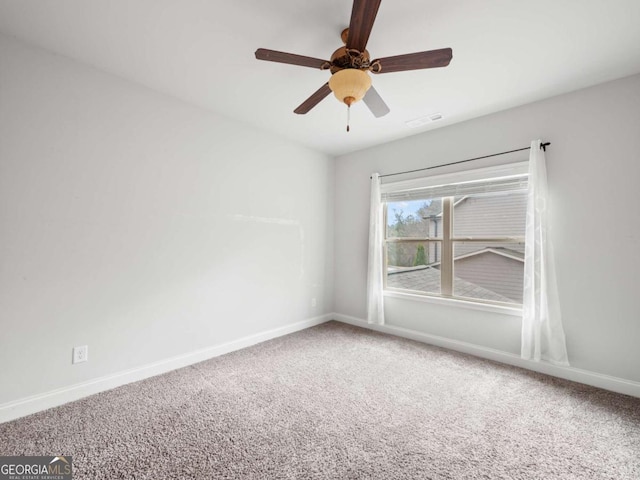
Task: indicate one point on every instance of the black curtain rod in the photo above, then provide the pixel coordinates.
(543, 146)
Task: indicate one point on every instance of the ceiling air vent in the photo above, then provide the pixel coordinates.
(418, 122)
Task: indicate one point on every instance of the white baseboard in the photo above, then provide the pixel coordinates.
(36, 403)
(607, 382)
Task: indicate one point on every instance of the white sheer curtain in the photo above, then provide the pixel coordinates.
(375, 298)
(542, 333)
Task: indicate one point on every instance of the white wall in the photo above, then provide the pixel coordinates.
(594, 170)
(142, 226)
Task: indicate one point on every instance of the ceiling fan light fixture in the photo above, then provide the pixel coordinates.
(350, 85)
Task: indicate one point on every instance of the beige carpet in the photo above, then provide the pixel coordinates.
(337, 402)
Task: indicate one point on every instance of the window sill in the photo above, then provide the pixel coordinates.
(453, 302)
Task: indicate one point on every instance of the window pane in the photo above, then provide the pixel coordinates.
(488, 271)
(490, 215)
(414, 266)
(414, 219)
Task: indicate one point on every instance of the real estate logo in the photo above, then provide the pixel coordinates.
(36, 468)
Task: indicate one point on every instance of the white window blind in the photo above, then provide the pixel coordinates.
(491, 180)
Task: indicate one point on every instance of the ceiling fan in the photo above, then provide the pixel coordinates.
(349, 64)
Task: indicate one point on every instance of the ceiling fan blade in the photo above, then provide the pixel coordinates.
(413, 61)
(313, 100)
(363, 15)
(374, 101)
(290, 58)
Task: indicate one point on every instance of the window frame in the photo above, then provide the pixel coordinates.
(448, 239)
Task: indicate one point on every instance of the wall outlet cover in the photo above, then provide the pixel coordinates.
(80, 354)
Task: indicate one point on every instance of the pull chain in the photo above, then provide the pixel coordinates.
(348, 116)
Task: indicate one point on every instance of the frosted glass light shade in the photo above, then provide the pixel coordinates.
(350, 85)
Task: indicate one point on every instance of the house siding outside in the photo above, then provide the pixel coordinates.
(495, 215)
(492, 271)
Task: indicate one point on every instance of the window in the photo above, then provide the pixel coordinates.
(458, 236)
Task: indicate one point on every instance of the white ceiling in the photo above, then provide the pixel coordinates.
(505, 53)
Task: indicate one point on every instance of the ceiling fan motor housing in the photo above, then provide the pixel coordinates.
(344, 58)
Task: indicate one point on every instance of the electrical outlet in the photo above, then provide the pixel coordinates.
(81, 354)
(314, 303)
